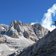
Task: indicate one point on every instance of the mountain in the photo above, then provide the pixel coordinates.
(17, 36)
(46, 46)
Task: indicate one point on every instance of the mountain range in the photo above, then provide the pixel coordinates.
(22, 39)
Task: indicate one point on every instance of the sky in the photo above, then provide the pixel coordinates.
(26, 11)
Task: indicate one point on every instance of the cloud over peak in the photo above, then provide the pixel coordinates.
(47, 21)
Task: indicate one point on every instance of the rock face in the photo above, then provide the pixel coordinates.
(43, 47)
(33, 32)
(18, 36)
(39, 31)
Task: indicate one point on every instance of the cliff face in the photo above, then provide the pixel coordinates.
(18, 36)
(43, 47)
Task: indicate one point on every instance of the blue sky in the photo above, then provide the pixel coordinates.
(24, 10)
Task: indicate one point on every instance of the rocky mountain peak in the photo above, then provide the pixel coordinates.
(18, 36)
(15, 22)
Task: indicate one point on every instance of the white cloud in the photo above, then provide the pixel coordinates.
(47, 21)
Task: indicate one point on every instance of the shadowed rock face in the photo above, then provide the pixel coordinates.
(18, 36)
(43, 47)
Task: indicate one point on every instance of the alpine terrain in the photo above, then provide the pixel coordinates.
(21, 39)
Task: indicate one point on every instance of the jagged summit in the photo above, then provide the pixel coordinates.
(18, 36)
(16, 22)
(21, 39)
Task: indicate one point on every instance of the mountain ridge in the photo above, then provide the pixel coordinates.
(18, 36)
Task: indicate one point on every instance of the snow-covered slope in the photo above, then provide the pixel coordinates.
(18, 36)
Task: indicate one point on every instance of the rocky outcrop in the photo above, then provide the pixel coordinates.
(44, 47)
(2, 39)
(18, 36)
(32, 32)
(39, 30)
